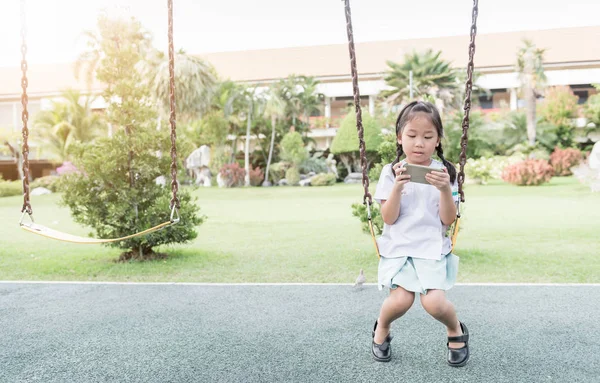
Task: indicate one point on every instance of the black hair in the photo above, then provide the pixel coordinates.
(407, 114)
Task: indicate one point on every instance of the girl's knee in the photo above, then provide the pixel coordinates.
(402, 297)
(434, 302)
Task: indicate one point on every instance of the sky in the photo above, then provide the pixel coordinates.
(54, 26)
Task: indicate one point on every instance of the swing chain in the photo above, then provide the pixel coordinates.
(467, 105)
(25, 114)
(174, 185)
(367, 199)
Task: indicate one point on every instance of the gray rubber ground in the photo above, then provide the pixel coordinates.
(182, 333)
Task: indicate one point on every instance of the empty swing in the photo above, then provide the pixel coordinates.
(44, 231)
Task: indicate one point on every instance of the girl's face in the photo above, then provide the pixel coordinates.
(419, 139)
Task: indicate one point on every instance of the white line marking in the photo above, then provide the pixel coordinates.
(499, 284)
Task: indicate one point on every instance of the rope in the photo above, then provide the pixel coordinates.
(25, 114)
(174, 185)
(367, 200)
(467, 106)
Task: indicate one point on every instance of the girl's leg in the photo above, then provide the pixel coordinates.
(394, 306)
(436, 304)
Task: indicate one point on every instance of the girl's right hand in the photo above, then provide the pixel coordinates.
(401, 179)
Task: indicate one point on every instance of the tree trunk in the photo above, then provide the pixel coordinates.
(273, 122)
(247, 147)
(347, 162)
(530, 101)
(18, 158)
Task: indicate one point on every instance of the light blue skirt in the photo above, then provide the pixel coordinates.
(418, 275)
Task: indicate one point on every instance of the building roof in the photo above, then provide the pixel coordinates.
(496, 52)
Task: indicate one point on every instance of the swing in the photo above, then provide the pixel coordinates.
(367, 199)
(44, 231)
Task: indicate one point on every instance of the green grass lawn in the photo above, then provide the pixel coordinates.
(549, 233)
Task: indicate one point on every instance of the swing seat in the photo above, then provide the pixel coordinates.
(64, 237)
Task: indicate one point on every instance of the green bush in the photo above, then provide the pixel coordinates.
(292, 175)
(346, 138)
(292, 148)
(104, 197)
(313, 164)
(360, 210)
(323, 179)
(277, 171)
(10, 188)
(51, 183)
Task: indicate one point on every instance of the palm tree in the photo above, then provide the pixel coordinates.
(531, 75)
(67, 122)
(274, 108)
(195, 83)
(229, 97)
(254, 104)
(310, 100)
(432, 77)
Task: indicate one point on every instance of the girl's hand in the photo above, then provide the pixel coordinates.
(401, 179)
(440, 180)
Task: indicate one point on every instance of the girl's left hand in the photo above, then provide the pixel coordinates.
(438, 179)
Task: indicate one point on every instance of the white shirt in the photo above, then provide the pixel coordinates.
(418, 232)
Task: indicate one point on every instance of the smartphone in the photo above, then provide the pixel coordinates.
(417, 172)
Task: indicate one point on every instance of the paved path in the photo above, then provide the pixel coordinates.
(199, 333)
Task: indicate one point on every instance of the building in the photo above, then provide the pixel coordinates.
(572, 58)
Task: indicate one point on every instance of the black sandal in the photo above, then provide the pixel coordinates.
(381, 352)
(458, 357)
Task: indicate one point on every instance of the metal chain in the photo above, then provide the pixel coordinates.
(359, 126)
(467, 106)
(25, 114)
(174, 185)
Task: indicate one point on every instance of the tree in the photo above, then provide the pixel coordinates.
(274, 109)
(433, 77)
(345, 143)
(559, 108)
(115, 192)
(230, 98)
(67, 122)
(531, 75)
(195, 83)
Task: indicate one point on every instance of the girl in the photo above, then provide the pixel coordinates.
(415, 249)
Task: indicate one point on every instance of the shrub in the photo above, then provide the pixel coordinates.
(484, 169)
(562, 160)
(277, 171)
(232, 175)
(292, 175)
(220, 155)
(313, 164)
(530, 172)
(360, 210)
(51, 183)
(256, 176)
(292, 148)
(10, 188)
(323, 179)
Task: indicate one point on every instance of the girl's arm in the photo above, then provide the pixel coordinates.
(390, 208)
(447, 207)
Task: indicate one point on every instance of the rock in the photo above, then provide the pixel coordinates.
(306, 182)
(221, 181)
(282, 182)
(40, 191)
(353, 178)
